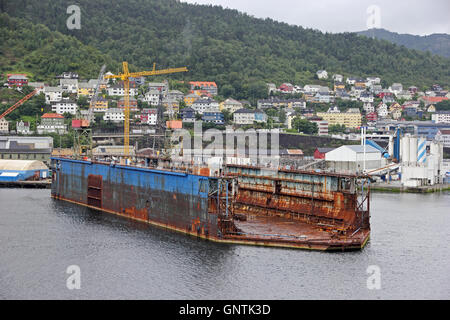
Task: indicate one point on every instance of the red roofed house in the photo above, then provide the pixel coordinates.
(208, 87)
(372, 117)
(18, 80)
(52, 123)
(432, 100)
(286, 87)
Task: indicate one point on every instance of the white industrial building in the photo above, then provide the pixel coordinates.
(354, 158)
(419, 166)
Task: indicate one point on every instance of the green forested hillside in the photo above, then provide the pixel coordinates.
(237, 51)
(33, 48)
(438, 43)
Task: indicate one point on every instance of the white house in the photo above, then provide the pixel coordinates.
(119, 90)
(396, 88)
(114, 114)
(152, 97)
(4, 125)
(205, 105)
(248, 116)
(52, 94)
(322, 74)
(64, 106)
(338, 77)
(382, 110)
(368, 107)
(69, 85)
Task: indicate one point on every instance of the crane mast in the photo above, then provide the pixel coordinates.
(125, 77)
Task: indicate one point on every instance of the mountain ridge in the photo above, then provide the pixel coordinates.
(436, 43)
(240, 52)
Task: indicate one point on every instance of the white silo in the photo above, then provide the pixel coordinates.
(405, 149)
(421, 150)
(413, 150)
(391, 146)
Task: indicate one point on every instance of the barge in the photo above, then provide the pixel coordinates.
(242, 205)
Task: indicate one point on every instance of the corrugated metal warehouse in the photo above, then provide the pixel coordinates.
(350, 158)
(20, 170)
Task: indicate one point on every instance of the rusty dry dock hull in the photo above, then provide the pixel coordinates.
(204, 207)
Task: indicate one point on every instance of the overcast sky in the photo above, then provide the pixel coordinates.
(420, 17)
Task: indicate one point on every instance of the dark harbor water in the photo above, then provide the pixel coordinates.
(121, 259)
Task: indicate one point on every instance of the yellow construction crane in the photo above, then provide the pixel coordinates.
(125, 77)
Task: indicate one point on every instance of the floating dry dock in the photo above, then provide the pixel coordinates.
(245, 205)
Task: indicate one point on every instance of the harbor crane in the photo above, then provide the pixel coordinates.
(19, 103)
(125, 77)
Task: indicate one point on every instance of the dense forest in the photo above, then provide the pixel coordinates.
(241, 53)
(438, 43)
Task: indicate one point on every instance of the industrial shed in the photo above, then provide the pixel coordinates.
(20, 170)
(350, 158)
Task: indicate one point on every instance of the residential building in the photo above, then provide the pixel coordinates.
(441, 117)
(153, 97)
(39, 86)
(119, 90)
(162, 87)
(249, 116)
(86, 89)
(388, 99)
(366, 97)
(333, 109)
(214, 117)
(22, 127)
(52, 94)
(372, 117)
(396, 88)
(370, 81)
(190, 99)
(132, 102)
(101, 105)
(17, 80)
(322, 125)
(69, 85)
(368, 107)
(432, 100)
(286, 88)
(65, 105)
(175, 95)
(207, 86)
(230, 105)
(396, 114)
(431, 108)
(271, 87)
(322, 97)
(404, 95)
(4, 125)
(339, 86)
(149, 116)
(322, 74)
(205, 105)
(52, 123)
(338, 77)
(376, 89)
(68, 75)
(348, 119)
(281, 103)
(114, 115)
(188, 114)
(382, 110)
(443, 135)
(313, 88)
